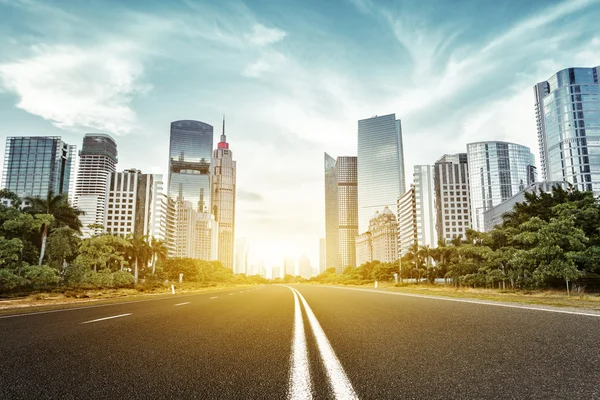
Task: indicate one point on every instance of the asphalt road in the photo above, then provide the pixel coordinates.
(319, 342)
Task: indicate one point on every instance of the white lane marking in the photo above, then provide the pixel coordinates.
(212, 298)
(104, 319)
(101, 305)
(231, 294)
(182, 304)
(486, 303)
(299, 381)
(338, 380)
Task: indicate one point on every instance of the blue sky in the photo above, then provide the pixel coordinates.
(293, 78)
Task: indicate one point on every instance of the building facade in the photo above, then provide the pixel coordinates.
(380, 166)
(190, 156)
(407, 221)
(341, 211)
(497, 171)
(452, 196)
(364, 248)
(130, 201)
(425, 205)
(223, 198)
(97, 160)
(37, 165)
(332, 253)
(567, 108)
(380, 242)
(322, 255)
(289, 266)
(304, 269)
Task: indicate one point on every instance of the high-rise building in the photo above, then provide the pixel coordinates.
(567, 108)
(223, 198)
(332, 253)
(452, 196)
(347, 191)
(322, 255)
(162, 216)
(497, 171)
(380, 166)
(131, 198)
(341, 211)
(97, 159)
(425, 205)
(241, 256)
(190, 155)
(407, 221)
(304, 269)
(37, 165)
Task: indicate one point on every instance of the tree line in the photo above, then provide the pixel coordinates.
(551, 239)
(41, 247)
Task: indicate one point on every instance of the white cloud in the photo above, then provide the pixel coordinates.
(264, 36)
(75, 87)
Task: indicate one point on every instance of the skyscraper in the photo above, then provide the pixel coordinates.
(36, 165)
(241, 256)
(289, 266)
(452, 196)
(567, 108)
(497, 171)
(97, 159)
(190, 154)
(380, 166)
(341, 211)
(407, 221)
(332, 253)
(425, 205)
(322, 255)
(304, 269)
(347, 210)
(223, 198)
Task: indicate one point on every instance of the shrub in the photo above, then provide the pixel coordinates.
(9, 281)
(122, 279)
(41, 276)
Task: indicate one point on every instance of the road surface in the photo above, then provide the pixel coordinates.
(273, 342)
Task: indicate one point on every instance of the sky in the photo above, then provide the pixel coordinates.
(292, 77)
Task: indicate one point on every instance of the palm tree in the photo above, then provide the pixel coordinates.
(61, 211)
(159, 251)
(414, 256)
(139, 251)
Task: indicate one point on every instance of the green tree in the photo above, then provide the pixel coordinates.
(159, 252)
(62, 246)
(61, 212)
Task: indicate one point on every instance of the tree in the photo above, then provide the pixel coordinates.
(159, 252)
(10, 252)
(61, 212)
(62, 245)
(102, 252)
(138, 251)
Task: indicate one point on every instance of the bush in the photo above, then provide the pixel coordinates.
(41, 276)
(122, 279)
(9, 281)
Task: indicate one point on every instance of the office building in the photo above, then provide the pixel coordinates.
(341, 211)
(130, 201)
(452, 196)
(190, 155)
(223, 198)
(380, 166)
(289, 266)
(567, 108)
(497, 171)
(97, 160)
(423, 178)
(494, 216)
(37, 165)
(407, 221)
(380, 242)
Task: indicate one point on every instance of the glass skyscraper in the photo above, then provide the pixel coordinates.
(380, 166)
(497, 171)
(567, 108)
(332, 254)
(36, 165)
(190, 155)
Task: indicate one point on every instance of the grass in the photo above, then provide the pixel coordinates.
(42, 301)
(554, 298)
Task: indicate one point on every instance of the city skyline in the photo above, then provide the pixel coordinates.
(309, 99)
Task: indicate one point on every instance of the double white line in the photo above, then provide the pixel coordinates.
(300, 383)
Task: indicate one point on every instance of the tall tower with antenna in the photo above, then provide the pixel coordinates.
(223, 198)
